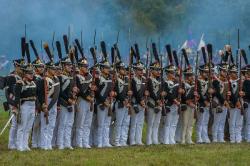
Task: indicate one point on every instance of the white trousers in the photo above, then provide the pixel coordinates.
(36, 131)
(121, 126)
(136, 126)
(247, 123)
(153, 122)
(235, 125)
(66, 120)
(12, 133)
(48, 129)
(103, 126)
(170, 124)
(202, 126)
(27, 112)
(219, 125)
(187, 125)
(82, 125)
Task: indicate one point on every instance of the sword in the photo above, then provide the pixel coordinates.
(6, 125)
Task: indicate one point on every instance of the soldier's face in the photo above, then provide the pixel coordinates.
(233, 75)
(204, 74)
(122, 71)
(106, 70)
(39, 70)
(68, 68)
(223, 73)
(139, 72)
(29, 76)
(52, 72)
(156, 73)
(84, 69)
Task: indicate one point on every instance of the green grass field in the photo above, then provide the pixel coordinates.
(212, 154)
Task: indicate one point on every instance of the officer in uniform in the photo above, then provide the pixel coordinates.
(203, 112)
(25, 97)
(84, 115)
(139, 101)
(36, 130)
(235, 112)
(154, 104)
(9, 93)
(67, 99)
(49, 113)
(122, 106)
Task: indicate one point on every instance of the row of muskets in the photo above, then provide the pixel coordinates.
(179, 59)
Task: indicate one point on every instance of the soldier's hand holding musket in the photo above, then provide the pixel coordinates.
(242, 93)
(146, 93)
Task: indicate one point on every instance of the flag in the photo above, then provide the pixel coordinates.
(202, 43)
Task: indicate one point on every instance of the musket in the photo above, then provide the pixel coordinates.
(34, 49)
(131, 55)
(180, 78)
(161, 83)
(209, 51)
(46, 90)
(147, 72)
(59, 50)
(93, 52)
(79, 47)
(66, 43)
(23, 42)
(196, 80)
(52, 43)
(241, 52)
(73, 57)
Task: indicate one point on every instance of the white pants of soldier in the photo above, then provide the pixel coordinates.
(170, 124)
(36, 131)
(66, 120)
(27, 112)
(136, 126)
(12, 133)
(202, 126)
(187, 118)
(121, 126)
(247, 124)
(48, 129)
(103, 126)
(93, 131)
(82, 125)
(235, 125)
(219, 125)
(153, 122)
(55, 131)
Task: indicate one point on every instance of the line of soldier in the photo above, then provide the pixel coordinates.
(69, 104)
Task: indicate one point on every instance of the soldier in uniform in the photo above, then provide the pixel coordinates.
(154, 104)
(139, 101)
(170, 87)
(84, 115)
(245, 89)
(220, 103)
(188, 107)
(235, 113)
(25, 97)
(9, 93)
(36, 129)
(67, 99)
(49, 113)
(203, 112)
(122, 106)
(104, 103)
